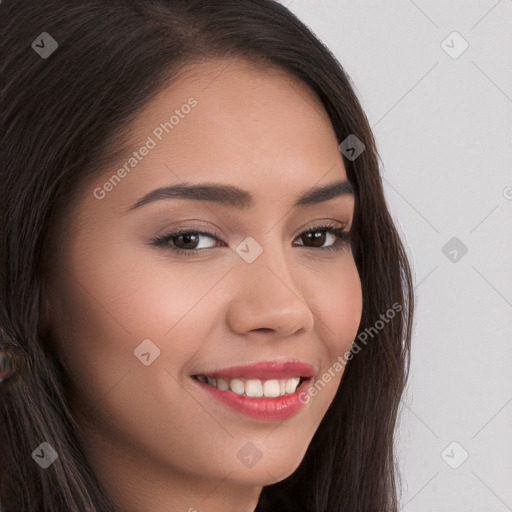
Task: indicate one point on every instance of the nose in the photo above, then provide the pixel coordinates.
(267, 297)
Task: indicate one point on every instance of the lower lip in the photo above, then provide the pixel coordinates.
(260, 408)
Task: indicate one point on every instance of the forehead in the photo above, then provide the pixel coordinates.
(240, 110)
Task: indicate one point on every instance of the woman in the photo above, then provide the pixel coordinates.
(143, 369)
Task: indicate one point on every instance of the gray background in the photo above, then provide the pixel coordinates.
(443, 128)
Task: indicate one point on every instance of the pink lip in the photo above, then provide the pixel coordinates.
(260, 408)
(265, 370)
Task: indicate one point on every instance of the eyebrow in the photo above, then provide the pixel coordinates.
(235, 197)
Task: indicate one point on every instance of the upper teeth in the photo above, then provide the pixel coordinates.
(255, 387)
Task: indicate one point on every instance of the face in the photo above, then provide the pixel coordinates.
(138, 310)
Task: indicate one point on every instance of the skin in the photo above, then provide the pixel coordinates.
(156, 440)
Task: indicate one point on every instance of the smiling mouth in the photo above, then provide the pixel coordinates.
(269, 388)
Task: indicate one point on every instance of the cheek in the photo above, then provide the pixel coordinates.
(107, 304)
(338, 305)
(132, 294)
(338, 308)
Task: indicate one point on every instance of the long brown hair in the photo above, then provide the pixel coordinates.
(65, 118)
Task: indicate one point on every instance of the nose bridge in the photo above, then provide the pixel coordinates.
(267, 296)
(265, 256)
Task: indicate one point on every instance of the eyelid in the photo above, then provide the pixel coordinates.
(206, 230)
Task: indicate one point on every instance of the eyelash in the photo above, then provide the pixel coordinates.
(165, 239)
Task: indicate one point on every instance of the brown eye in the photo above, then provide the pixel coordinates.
(317, 238)
(186, 241)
